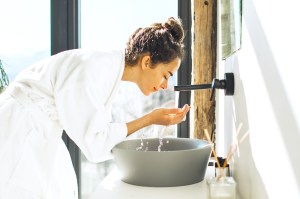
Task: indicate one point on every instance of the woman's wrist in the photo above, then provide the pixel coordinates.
(139, 123)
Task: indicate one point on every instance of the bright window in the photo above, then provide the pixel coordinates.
(25, 34)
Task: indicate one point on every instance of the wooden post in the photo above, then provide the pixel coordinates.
(205, 48)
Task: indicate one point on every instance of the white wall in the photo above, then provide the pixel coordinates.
(266, 100)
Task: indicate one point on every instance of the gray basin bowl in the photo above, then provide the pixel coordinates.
(163, 162)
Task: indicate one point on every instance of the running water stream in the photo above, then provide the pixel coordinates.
(143, 146)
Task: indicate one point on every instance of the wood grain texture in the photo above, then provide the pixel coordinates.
(205, 48)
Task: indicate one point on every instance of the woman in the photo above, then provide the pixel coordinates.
(73, 91)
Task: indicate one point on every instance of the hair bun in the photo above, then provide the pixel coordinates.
(174, 26)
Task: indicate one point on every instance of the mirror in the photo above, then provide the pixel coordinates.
(231, 24)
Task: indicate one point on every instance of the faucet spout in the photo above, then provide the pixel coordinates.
(192, 87)
(227, 84)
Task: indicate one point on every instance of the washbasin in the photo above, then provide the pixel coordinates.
(166, 162)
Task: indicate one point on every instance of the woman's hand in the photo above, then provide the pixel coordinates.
(160, 116)
(168, 116)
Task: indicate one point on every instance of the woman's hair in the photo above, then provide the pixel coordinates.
(162, 41)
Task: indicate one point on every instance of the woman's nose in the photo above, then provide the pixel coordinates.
(164, 85)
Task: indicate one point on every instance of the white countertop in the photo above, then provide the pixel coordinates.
(113, 188)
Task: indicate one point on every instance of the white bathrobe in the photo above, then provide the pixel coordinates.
(70, 91)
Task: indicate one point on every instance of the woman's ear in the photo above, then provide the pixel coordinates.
(146, 61)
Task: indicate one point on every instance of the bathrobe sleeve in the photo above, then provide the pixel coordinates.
(82, 108)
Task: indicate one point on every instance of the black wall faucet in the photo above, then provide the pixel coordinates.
(227, 84)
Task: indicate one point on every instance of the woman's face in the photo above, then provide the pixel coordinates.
(154, 79)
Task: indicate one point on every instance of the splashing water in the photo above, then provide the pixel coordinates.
(161, 134)
(160, 144)
(140, 148)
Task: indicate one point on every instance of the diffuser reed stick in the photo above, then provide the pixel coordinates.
(233, 148)
(236, 138)
(212, 149)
